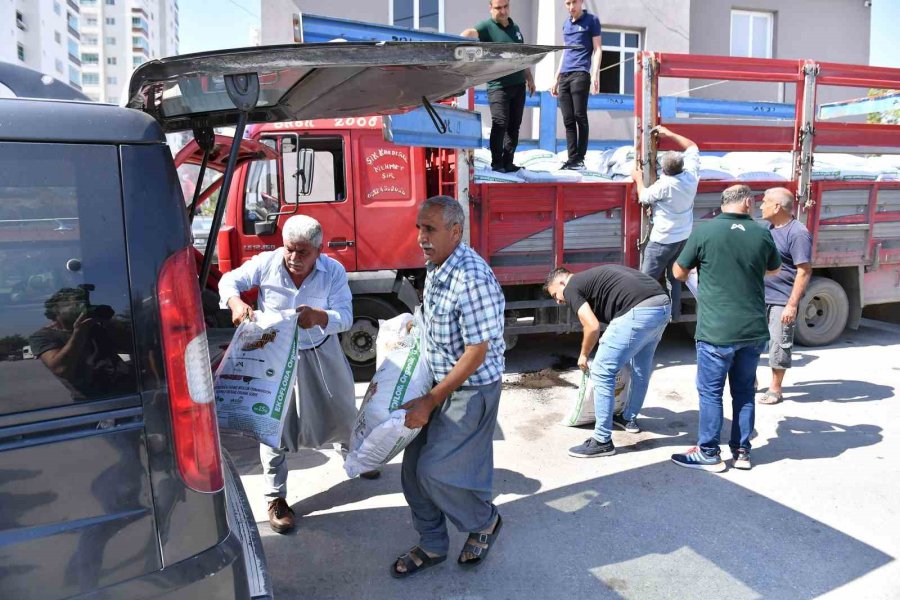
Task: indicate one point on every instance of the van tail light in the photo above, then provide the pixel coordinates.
(191, 396)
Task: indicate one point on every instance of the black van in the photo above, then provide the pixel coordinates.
(113, 483)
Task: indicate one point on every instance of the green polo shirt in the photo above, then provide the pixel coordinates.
(732, 254)
(491, 31)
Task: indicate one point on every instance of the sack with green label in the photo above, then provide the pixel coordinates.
(581, 411)
(380, 433)
(255, 379)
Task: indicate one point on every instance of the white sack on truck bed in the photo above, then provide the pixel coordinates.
(256, 377)
(581, 411)
(380, 433)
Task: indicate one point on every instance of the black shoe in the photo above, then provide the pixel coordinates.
(629, 426)
(511, 168)
(741, 459)
(498, 169)
(573, 165)
(592, 448)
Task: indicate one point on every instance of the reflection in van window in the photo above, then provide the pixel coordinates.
(65, 323)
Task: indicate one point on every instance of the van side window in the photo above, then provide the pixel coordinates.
(65, 318)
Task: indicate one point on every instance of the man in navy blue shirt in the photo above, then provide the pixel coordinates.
(574, 81)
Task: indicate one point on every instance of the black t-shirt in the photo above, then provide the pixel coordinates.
(611, 290)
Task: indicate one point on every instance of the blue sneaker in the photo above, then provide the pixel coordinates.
(695, 458)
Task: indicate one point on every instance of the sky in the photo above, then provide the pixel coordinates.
(226, 24)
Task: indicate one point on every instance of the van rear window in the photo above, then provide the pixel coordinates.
(65, 324)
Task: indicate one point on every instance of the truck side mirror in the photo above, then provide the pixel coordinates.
(266, 227)
(306, 158)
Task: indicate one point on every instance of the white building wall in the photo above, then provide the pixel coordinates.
(43, 35)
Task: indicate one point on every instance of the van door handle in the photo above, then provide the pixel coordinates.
(344, 244)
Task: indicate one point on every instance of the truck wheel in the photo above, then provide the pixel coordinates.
(358, 342)
(511, 341)
(822, 314)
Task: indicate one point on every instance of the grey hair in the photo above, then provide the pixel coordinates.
(783, 197)
(452, 211)
(301, 228)
(672, 163)
(735, 194)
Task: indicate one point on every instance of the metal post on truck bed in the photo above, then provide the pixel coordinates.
(805, 134)
(644, 125)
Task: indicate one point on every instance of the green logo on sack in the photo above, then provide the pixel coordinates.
(403, 381)
(260, 408)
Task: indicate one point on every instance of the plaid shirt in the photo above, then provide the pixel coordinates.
(463, 306)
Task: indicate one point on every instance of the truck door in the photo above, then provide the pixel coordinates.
(271, 186)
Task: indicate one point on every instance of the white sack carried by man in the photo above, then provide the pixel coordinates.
(255, 379)
(380, 432)
(581, 411)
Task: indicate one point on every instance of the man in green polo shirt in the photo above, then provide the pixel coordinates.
(732, 254)
(507, 94)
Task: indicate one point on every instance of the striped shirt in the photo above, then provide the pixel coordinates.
(463, 306)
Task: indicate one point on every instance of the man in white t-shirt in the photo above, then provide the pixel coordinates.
(671, 200)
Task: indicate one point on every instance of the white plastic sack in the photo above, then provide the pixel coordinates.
(527, 158)
(581, 411)
(254, 381)
(491, 176)
(392, 333)
(380, 433)
(550, 176)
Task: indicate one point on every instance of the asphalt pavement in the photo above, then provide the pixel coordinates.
(817, 516)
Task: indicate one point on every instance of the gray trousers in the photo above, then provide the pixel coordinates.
(448, 469)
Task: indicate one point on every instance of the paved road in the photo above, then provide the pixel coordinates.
(817, 516)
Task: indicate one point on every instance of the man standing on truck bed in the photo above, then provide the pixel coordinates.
(298, 276)
(784, 290)
(507, 94)
(671, 198)
(448, 468)
(733, 255)
(574, 80)
(635, 310)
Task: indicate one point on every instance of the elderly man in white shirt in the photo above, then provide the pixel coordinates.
(299, 277)
(671, 199)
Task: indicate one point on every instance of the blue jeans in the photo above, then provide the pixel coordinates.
(631, 338)
(738, 363)
(658, 261)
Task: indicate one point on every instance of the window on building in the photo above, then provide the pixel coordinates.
(91, 79)
(141, 43)
(138, 60)
(110, 20)
(90, 21)
(751, 33)
(72, 21)
(89, 2)
(111, 60)
(73, 49)
(20, 50)
(110, 2)
(57, 37)
(74, 77)
(90, 58)
(110, 40)
(20, 20)
(89, 40)
(620, 49)
(112, 80)
(59, 66)
(418, 14)
(57, 8)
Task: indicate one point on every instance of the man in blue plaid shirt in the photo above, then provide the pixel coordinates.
(448, 468)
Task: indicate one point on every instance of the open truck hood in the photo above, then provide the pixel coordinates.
(312, 81)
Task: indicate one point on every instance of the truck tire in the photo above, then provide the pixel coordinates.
(822, 314)
(358, 342)
(511, 341)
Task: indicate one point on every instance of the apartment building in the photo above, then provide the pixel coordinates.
(766, 28)
(120, 35)
(43, 35)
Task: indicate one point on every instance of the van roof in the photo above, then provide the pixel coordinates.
(64, 121)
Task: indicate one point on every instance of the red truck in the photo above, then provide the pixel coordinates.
(365, 191)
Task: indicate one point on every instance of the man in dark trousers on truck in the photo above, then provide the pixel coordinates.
(448, 468)
(635, 309)
(507, 94)
(733, 255)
